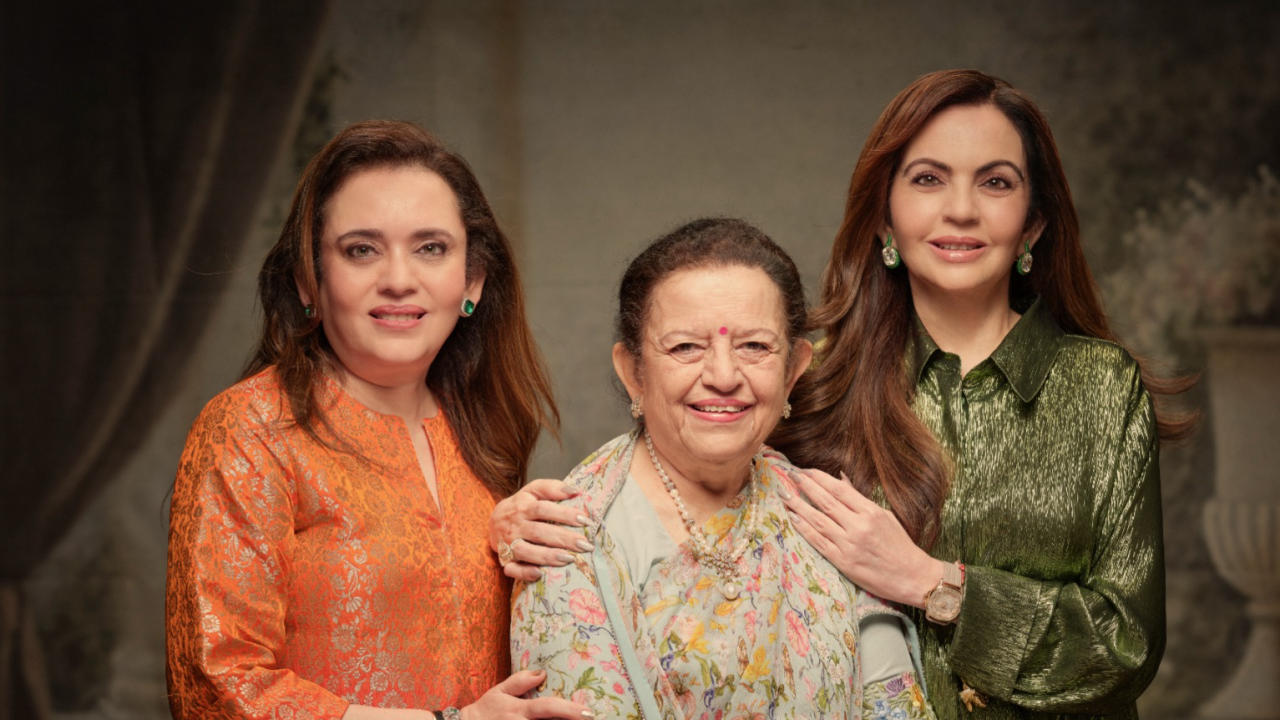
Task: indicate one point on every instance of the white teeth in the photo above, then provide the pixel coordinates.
(397, 318)
(957, 247)
(719, 408)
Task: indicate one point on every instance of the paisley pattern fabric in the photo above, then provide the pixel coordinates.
(1055, 508)
(786, 647)
(303, 577)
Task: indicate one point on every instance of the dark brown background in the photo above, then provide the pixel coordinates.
(148, 152)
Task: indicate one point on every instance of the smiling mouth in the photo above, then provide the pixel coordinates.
(399, 317)
(956, 246)
(726, 409)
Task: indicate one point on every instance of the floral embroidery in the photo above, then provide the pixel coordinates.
(897, 698)
(785, 648)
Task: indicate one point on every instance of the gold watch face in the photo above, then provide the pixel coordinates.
(943, 605)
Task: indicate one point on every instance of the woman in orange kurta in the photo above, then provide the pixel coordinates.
(327, 550)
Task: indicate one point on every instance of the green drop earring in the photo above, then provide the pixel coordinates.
(890, 254)
(468, 307)
(1024, 260)
(309, 310)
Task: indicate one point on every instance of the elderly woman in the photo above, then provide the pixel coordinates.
(326, 541)
(699, 599)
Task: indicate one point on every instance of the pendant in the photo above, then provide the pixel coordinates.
(730, 590)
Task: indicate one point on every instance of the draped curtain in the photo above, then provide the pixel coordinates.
(136, 139)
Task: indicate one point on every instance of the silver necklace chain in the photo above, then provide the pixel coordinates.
(725, 564)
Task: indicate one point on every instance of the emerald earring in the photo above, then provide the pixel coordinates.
(1024, 260)
(890, 254)
(468, 307)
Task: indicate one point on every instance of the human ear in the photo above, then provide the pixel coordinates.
(475, 288)
(472, 292)
(801, 356)
(1032, 234)
(624, 364)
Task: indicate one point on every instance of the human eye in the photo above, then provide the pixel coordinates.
(998, 182)
(926, 178)
(434, 247)
(754, 350)
(685, 351)
(359, 251)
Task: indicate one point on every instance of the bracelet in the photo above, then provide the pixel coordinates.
(451, 713)
(438, 715)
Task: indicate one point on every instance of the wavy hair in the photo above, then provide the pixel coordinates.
(852, 410)
(488, 375)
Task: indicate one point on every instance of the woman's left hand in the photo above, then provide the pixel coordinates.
(863, 540)
(531, 529)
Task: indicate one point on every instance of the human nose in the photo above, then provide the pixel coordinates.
(720, 369)
(961, 207)
(396, 278)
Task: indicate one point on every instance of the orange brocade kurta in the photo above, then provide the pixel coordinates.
(303, 578)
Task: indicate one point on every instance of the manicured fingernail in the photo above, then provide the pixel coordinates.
(582, 520)
(585, 546)
(588, 714)
(782, 493)
(564, 558)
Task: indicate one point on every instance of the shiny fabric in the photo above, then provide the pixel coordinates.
(785, 648)
(1055, 509)
(302, 578)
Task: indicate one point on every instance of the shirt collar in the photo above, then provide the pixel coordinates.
(1023, 357)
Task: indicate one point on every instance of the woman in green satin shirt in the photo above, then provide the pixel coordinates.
(1001, 447)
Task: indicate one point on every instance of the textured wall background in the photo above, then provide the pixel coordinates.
(596, 126)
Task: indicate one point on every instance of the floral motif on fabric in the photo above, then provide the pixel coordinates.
(897, 698)
(785, 648)
(303, 578)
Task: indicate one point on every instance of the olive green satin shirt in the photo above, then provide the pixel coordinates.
(1054, 508)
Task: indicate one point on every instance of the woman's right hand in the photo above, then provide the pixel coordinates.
(503, 701)
(536, 530)
(863, 540)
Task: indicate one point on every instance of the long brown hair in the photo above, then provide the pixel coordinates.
(852, 411)
(488, 376)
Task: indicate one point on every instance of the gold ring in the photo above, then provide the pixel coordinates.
(506, 551)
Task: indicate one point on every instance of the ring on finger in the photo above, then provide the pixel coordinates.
(506, 551)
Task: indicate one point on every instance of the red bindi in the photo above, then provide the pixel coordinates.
(724, 330)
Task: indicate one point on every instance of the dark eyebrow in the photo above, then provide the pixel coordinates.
(947, 168)
(375, 234)
(360, 233)
(997, 163)
(926, 161)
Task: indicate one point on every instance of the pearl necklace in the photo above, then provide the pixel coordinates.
(725, 564)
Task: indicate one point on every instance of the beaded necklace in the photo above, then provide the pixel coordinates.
(725, 564)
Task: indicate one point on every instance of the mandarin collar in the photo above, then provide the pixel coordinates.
(1023, 357)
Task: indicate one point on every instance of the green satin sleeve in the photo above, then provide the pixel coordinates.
(1088, 646)
(1054, 508)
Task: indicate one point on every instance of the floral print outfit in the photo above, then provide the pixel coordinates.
(678, 647)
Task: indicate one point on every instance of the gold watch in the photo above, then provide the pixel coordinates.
(942, 604)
